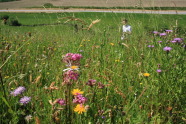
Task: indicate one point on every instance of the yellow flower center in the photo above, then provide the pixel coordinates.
(74, 67)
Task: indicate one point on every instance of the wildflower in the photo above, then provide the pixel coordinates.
(159, 70)
(163, 34)
(77, 92)
(168, 31)
(167, 48)
(18, 91)
(159, 41)
(70, 75)
(146, 74)
(24, 100)
(79, 109)
(173, 41)
(151, 46)
(141, 83)
(69, 57)
(117, 60)
(112, 44)
(79, 99)
(155, 32)
(91, 82)
(61, 101)
(28, 118)
(100, 85)
(178, 39)
(72, 68)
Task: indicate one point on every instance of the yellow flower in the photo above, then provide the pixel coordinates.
(112, 44)
(117, 60)
(77, 91)
(79, 108)
(74, 67)
(146, 74)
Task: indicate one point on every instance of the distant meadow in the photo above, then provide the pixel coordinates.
(73, 68)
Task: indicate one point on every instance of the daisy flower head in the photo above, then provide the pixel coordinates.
(72, 68)
(77, 92)
(146, 74)
(18, 91)
(80, 108)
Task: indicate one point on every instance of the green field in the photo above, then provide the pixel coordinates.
(33, 56)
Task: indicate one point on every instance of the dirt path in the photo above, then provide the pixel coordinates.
(95, 10)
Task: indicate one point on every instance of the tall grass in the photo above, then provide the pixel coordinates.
(32, 56)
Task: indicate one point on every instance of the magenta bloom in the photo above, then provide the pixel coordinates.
(151, 46)
(159, 71)
(163, 34)
(79, 99)
(91, 82)
(167, 48)
(173, 41)
(155, 32)
(159, 41)
(24, 100)
(70, 74)
(18, 91)
(168, 31)
(61, 102)
(73, 56)
(178, 39)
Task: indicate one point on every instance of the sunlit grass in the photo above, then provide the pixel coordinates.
(118, 78)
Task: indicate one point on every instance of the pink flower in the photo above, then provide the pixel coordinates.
(61, 102)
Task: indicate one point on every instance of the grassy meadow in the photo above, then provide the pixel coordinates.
(63, 73)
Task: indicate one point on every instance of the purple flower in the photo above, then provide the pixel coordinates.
(155, 32)
(168, 31)
(159, 41)
(91, 82)
(159, 71)
(79, 99)
(178, 39)
(163, 34)
(24, 100)
(61, 102)
(173, 41)
(167, 48)
(151, 46)
(18, 91)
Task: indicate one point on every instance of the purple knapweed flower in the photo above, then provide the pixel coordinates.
(163, 34)
(159, 41)
(18, 91)
(61, 102)
(168, 31)
(178, 40)
(173, 41)
(151, 46)
(158, 70)
(79, 99)
(167, 48)
(91, 82)
(155, 32)
(24, 100)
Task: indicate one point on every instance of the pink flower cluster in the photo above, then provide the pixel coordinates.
(70, 57)
(79, 99)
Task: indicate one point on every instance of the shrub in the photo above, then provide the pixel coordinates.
(48, 5)
(13, 22)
